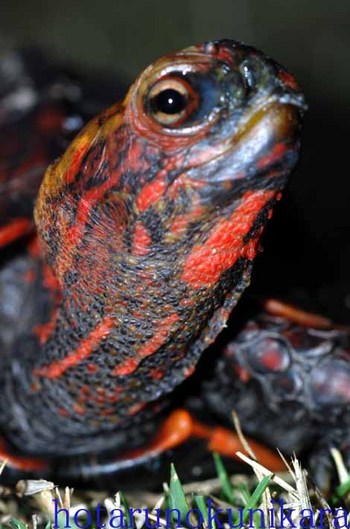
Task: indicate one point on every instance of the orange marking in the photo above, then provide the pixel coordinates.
(225, 245)
(223, 54)
(295, 315)
(22, 463)
(14, 230)
(56, 369)
(77, 156)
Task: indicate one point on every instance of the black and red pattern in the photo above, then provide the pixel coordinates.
(149, 232)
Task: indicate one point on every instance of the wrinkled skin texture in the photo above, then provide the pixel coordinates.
(148, 229)
(289, 383)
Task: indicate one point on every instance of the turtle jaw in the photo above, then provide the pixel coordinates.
(259, 155)
(269, 141)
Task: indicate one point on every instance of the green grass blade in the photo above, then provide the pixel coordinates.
(176, 497)
(341, 491)
(201, 503)
(227, 489)
(17, 524)
(123, 501)
(255, 498)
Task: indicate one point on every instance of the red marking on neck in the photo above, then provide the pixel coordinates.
(161, 335)
(75, 233)
(136, 408)
(86, 202)
(225, 244)
(142, 240)
(188, 371)
(50, 281)
(182, 222)
(150, 194)
(92, 368)
(126, 368)
(87, 346)
(78, 409)
(157, 374)
(44, 331)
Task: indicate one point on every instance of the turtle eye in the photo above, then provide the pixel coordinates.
(171, 101)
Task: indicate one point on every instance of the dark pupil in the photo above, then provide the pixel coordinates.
(169, 101)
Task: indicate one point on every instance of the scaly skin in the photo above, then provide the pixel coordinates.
(150, 223)
(287, 375)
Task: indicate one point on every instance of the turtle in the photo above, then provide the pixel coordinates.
(146, 229)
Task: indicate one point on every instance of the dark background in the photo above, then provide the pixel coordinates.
(308, 243)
